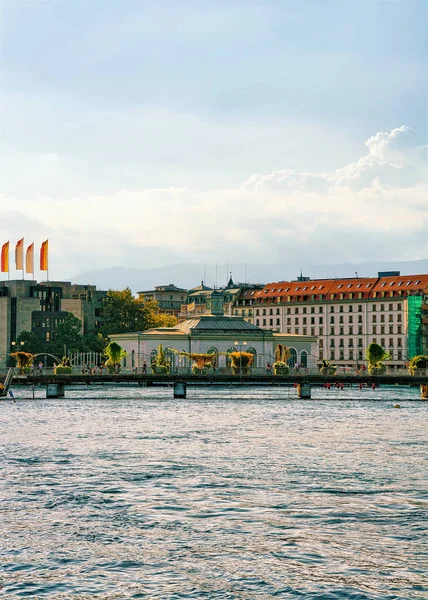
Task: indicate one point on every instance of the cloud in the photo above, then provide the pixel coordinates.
(393, 160)
(373, 209)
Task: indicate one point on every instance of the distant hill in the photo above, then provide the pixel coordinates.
(191, 275)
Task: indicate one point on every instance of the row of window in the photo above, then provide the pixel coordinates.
(341, 355)
(304, 309)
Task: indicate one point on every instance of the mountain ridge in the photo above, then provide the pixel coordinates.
(190, 275)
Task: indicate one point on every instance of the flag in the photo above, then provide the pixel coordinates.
(29, 259)
(19, 255)
(5, 258)
(44, 256)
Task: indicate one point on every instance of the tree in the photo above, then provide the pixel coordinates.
(114, 354)
(69, 336)
(124, 314)
(32, 343)
(375, 356)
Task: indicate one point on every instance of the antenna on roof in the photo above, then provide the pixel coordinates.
(356, 274)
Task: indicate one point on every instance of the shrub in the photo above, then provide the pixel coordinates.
(281, 368)
(63, 370)
(327, 368)
(418, 362)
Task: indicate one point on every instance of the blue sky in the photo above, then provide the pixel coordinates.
(100, 97)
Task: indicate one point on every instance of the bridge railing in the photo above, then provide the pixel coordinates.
(255, 372)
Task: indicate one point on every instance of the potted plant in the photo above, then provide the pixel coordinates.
(241, 362)
(375, 356)
(160, 366)
(114, 354)
(64, 367)
(282, 354)
(419, 362)
(327, 368)
(24, 361)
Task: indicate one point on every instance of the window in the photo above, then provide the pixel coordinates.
(331, 320)
(374, 329)
(360, 330)
(296, 321)
(399, 329)
(382, 318)
(305, 331)
(331, 308)
(305, 319)
(277, 311)
(399, 342)
(374, 319)
(270, 322)
(320, 309)
(360, 308)
(360, 318)
(321, 331)
(399, 306)
(374, 307)
(351, 308)
(296, 330)
(304, 310)
(341, 344)
(288, 311)
(312, 320)
(351, 331)
(391, 329)
(391, 307)
(331, 330)
(340, 319)
(277, 321)
(320, 320)
(312, 330)
(264, 321)
(332, 355)
(391, 342)
(350, 319)
(341, 331)
(296, 310)
(271, 311)
(332, 343)
(382, 329)
(399, 318)
(288, 321)
(340, 308)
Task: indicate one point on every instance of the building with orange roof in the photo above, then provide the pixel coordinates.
(348, 314)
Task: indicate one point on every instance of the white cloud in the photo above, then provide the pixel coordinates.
(374, 208)
(394, 160)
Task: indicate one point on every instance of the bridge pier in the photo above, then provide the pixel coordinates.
(304, 391)
(55, 390)
(180, 389)
(424, 392)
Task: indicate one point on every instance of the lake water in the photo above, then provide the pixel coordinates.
(230, 494)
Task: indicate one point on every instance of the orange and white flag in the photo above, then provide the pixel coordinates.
(19, 255)
(5, 258)
(44, 262)
(29, 259)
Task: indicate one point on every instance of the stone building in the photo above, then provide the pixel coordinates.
(27, 305)
(348, 314)
(213, 332)
(169, 298)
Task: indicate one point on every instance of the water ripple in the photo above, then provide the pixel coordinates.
(226, 495)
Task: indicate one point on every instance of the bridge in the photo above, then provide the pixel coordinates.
(303, 380)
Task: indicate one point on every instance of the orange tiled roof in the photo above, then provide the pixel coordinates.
(344, 289)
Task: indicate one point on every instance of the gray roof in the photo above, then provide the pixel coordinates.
(224, 324)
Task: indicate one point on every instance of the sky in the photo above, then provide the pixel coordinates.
(141, 133)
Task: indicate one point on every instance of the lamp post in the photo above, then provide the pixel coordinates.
(240, 345)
